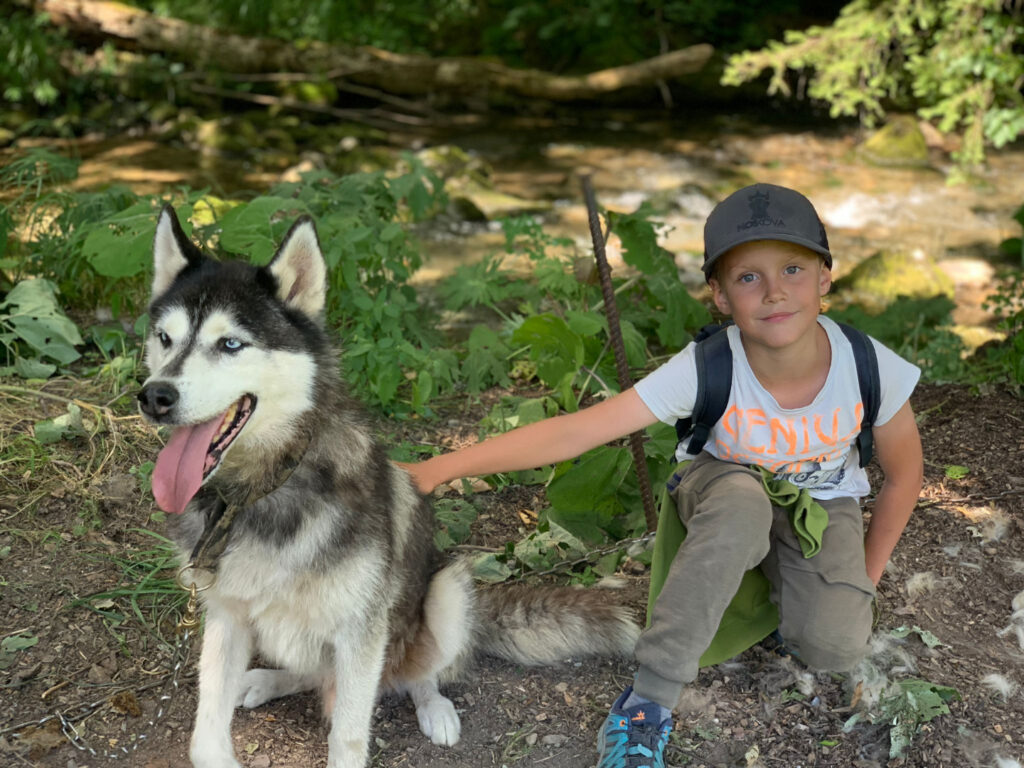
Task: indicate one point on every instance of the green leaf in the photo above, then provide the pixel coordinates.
(36, 319)
(56, 429)
(585, 323)
(490, 570)
(557, 350)
(587, 485)
(511, 412)
(17, 643)
(33, 368)
(543, 548)
(640, 241)
(455, 518)
(122, 245)
(255, 229)
(635, 344)
(9, 646)
(485, 363)
(926, 637)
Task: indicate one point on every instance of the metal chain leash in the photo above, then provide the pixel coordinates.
(588, 557)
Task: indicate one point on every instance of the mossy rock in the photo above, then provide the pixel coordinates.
(899, 143)
(467, 182)
(451, 162)
(878, 280)
(322, 93)
(473, 201)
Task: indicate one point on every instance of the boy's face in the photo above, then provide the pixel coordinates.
(772, 289)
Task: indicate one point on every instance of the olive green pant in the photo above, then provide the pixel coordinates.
(824, 602)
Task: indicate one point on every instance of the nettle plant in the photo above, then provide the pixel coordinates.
(553, 329)
(95, 250)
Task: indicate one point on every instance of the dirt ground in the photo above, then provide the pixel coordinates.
(71, 516)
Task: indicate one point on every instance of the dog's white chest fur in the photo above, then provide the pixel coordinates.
(294, 614)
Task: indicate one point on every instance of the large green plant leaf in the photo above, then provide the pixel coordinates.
(589, 483)
(557, 350)
(122, 245)
(640, 241)
(256, 229)
(33, 315)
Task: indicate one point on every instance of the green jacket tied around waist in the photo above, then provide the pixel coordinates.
(751, 616)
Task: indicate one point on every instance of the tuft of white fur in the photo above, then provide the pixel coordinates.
(920, 584)
(1016, 625)
(990, 524)
(804, 680)
(448, 602)
(953, 550)
(997, 683)
(868, 682)
(1017, 566)
(781, 673)
(886, 661)
(1006, 762)
(612, 582)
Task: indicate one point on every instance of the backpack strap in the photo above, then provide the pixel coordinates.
(870, 387)
(714, 382)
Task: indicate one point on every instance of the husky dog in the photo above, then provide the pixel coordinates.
(330, 572)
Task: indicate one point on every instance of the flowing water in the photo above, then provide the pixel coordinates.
(682, 171)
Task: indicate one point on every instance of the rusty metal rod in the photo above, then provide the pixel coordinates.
(611, 309)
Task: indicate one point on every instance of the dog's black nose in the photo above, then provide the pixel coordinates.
(157, 399)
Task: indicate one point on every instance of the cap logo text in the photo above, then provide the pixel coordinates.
(759, 216)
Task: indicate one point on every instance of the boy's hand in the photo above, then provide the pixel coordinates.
(423, 483)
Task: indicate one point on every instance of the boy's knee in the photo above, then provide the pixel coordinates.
(836, 649)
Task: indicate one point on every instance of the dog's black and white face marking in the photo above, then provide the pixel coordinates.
(228, 352)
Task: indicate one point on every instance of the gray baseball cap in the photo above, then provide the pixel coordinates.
(763, 212)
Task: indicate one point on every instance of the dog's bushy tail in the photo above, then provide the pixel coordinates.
(544, 625)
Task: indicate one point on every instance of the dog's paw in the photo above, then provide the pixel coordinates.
(261, 685)
(439, 721)
(204, 756)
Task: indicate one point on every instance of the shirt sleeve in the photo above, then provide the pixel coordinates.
(671, 390)
(897, 379)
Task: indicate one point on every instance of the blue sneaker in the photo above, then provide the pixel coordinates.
(629, 740)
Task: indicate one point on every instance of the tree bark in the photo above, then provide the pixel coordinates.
(407, 74)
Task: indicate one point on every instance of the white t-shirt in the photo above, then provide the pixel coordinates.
(813, 447)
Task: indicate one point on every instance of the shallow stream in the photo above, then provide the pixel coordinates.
(682, 170)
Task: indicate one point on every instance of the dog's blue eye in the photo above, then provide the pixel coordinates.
(231, 345)
(164, 339)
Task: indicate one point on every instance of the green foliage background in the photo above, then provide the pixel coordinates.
(959, 63)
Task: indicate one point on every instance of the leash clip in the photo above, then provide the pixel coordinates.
(190, 619)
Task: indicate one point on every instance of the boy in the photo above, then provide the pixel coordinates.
(794, 409)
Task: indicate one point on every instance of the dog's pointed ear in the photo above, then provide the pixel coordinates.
(173, 252)
(299, 269)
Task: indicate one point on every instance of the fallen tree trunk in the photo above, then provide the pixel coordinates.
(407, 74)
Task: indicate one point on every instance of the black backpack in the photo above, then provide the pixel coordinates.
(714, 382)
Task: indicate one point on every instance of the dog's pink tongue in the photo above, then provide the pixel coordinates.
(179, 467)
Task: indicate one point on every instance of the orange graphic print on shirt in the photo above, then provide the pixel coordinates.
(811, 447)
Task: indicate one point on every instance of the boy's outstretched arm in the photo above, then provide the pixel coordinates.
(898, 445)
(544, 442)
